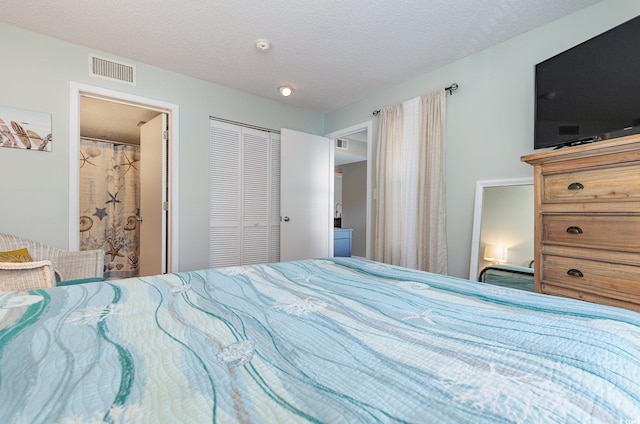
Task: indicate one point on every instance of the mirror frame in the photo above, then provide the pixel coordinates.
(477, 216)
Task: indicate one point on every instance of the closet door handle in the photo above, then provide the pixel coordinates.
(286, 219)
(575, 186)
(574, 230)
(575, 273)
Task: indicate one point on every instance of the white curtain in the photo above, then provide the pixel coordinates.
(411, 214)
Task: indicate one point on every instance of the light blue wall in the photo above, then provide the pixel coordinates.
(490, 118)
(489, 124)
(35, 75)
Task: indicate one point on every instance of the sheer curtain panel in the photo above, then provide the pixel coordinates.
(411, 215)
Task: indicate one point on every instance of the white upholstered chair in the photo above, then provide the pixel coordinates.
(50, 265)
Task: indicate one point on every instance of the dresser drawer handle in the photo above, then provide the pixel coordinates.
(574, 230)
(575, 273)
(575, 186)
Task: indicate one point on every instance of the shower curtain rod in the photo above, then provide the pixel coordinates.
(453, 87)
(109, 141)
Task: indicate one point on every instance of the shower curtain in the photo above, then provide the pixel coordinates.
(109, 204)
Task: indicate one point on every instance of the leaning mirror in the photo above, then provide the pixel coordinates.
(502, 224)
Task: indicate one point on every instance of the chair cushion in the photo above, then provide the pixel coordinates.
(18, 255)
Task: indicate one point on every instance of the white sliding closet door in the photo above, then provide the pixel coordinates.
(244, 207)
(255, 196)
(224, 194)
(274, 197)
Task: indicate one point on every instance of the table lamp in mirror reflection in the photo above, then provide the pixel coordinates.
(495, 253)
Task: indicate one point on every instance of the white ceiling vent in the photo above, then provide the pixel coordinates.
(110, 69)
(341, 143)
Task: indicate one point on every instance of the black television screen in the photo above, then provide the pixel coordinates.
(590, 92)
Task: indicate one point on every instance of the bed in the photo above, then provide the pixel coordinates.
(344, 340)
(504, 275)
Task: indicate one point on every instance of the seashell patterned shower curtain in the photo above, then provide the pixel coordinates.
(109, 204)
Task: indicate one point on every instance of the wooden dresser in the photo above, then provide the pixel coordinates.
(587, 222)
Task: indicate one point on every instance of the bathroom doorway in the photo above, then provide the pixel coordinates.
(111, 214)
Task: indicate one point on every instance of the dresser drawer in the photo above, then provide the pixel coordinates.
(611, 280)
(593, 185)
(619, 232)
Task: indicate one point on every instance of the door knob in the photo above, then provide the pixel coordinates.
(286, 219)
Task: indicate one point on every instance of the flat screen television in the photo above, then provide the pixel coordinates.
(590, 92)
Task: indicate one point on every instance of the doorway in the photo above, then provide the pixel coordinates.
(352, 185)
(91, 109)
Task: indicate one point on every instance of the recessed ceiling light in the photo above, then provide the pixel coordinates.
(286, 91)
(263, 45)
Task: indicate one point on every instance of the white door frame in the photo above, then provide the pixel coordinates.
(76, 91)
(368, 125)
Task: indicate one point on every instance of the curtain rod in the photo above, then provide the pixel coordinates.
(104, 140)
(453, 87)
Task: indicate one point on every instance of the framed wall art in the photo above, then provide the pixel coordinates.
(24, 129)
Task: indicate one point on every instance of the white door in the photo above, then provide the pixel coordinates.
(153, 189)
(306, 205)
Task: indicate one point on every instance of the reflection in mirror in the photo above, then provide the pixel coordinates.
(350, 190)
(503, 221)
(356, 196)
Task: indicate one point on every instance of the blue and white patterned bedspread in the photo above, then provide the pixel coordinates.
(333, 341)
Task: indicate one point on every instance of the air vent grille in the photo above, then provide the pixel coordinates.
(341, 143)
(109, 69)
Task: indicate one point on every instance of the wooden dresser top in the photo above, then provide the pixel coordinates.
(598, 148)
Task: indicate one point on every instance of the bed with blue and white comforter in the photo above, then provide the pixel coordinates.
(320, 341)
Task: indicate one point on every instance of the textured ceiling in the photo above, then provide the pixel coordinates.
(333, 52)
(105, 120)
